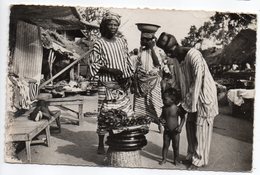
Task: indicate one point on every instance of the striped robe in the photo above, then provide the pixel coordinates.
(151, 104)
(200, 100)
(111, 54)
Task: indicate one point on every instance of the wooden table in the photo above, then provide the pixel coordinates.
(23, 129)
(72, 100)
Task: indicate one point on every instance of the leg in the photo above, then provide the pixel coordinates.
(58, 123)
(191, 137)
(57, 119)
(160, 127)
(80, 114)
(48, 135)
(204, 133)
(175, 147)
(166, 144)
(101, 148)
(28, 150)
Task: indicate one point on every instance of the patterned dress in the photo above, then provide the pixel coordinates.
(200, 100)
(150, 104)
(111, 54)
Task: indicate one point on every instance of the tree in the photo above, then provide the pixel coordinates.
(93, 14)
(221, 28)
(192, 37)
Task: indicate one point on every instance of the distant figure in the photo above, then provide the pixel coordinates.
(134, 57)
(172, 128)
(248, 67)
(234, 68)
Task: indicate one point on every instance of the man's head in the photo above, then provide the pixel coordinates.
(171, 96)
(109, 25)
(168, 43)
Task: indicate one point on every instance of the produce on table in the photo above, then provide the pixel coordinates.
(116, 119)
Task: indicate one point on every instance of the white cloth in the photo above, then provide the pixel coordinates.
(147, 61)
(237, 96)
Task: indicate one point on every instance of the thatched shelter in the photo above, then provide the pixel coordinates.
(241, 50)
(33, 28)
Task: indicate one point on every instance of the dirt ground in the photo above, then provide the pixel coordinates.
(231, 148)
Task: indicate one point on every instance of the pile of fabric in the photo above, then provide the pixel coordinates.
(22, 93)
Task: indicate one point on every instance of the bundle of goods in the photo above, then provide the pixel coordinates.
(117, 119)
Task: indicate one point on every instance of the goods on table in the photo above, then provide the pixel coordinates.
(63, 88)
(118, 119)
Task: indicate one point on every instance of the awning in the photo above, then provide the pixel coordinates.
(51, 17)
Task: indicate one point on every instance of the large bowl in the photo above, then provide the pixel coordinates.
(149, 28)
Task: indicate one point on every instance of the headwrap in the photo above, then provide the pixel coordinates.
(111, 16)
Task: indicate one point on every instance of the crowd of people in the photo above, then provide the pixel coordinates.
(165, 89)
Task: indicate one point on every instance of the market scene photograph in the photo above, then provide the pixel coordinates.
(132, 88)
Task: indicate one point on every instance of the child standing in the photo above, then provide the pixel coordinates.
(170, 120)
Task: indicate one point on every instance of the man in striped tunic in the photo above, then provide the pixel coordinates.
(200, 99)
(111, 64)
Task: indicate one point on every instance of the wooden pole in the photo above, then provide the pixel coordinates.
(63, 70)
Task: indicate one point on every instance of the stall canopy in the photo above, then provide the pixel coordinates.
(241, 50)
(34, 27)
(51, 17)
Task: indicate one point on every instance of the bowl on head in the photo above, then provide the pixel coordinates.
(147, 28)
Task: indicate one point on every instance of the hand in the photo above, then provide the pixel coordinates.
(153, 72)
(151, 44)
(162, 121)
(178, 129)
(181, 110)
(118, 74)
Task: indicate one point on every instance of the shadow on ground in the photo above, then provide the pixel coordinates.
(241, 129)
(84, 145)
(153, 152)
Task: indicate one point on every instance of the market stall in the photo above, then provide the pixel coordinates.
(242, 102)
(33, 41)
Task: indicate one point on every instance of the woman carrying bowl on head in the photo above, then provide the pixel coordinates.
(147, 98)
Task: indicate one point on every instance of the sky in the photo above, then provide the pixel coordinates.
(175, 22)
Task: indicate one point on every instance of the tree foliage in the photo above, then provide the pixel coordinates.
(222, 28)
(94, 14)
